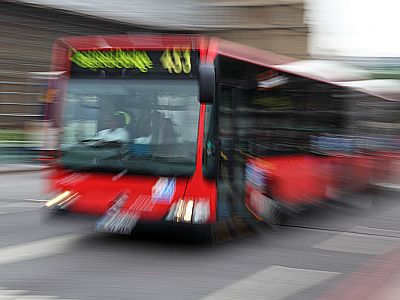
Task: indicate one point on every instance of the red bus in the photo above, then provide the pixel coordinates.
(182, 129)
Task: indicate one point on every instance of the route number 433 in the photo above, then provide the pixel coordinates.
(176, 61)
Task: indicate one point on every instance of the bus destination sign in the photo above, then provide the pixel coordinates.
(174, 61)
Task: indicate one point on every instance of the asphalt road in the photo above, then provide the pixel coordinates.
(306, 258)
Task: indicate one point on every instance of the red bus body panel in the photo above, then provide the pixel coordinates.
(299, 180)
(98, 191)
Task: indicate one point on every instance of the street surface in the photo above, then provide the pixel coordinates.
(307, 258)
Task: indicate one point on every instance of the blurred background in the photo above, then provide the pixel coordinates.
(329, 253)
(353, 43)
(28, 29)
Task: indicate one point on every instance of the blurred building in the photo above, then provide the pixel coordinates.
(26, 37)
(29, 27)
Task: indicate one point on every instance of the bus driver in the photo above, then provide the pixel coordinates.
(116, 131)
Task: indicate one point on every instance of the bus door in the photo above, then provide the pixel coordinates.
(235, 82)
(230, 181)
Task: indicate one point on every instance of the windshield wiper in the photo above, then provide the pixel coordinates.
(96, 142)
(89, 140)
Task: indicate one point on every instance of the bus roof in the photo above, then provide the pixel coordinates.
(162, 41)
(127, 41)
(205, 45)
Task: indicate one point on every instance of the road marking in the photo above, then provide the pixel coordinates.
(7, 294)
(377, 231)
(359, 243)
(388, 185)
(272, 283)
(35, 200)
(24, 200)
(38, 249)
(10, 294)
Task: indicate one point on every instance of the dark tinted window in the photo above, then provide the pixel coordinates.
(266, 112)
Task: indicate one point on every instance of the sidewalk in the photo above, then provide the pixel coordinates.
(378, 280)
(390, 290)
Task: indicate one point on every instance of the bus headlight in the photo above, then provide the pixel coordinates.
(201, 211)
(182, 211)
(189, 211)
(62, 200)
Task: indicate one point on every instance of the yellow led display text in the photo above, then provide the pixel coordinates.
(112, 59)
(175, 61)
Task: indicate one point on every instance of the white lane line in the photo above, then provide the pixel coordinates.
(25, 200)
(12, 294)
(34, 200)
(7, 294)
(377, 231)
(388, 185)
(38, 249)
(359, 243)
(7, 202)
(272, 283)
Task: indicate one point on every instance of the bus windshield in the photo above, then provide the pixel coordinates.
(141, 126)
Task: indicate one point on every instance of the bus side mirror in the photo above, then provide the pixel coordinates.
(206, 83)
